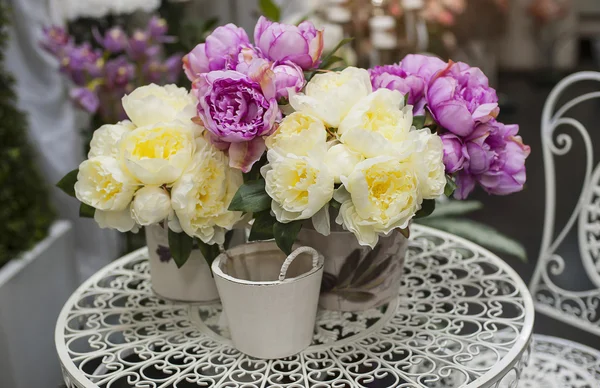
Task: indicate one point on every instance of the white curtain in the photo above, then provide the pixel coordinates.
(54, 126)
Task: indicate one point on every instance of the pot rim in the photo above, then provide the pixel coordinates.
(217, 271)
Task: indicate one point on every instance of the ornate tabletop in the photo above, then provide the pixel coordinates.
(463, 318)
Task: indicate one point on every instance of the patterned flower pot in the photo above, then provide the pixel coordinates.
(191, 283)
(270, 300)
(355, 277)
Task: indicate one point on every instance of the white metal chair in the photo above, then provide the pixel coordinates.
(556, 362)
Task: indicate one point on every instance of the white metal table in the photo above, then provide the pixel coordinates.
(463, 318)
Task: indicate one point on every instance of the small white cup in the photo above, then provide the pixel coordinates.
(270, 300)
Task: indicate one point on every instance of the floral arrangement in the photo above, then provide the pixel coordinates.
(269, 134)
(113, 65)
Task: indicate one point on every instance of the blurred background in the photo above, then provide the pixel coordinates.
(48, 113)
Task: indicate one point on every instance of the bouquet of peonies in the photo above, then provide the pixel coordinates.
(270, 132)
(105, 70)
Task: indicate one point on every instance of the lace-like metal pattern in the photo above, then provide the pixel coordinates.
(463, 318)
(577, 308)
(557, 363)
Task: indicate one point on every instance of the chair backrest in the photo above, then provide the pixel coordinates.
(578, 308)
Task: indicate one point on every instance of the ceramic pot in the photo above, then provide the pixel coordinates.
(193, 282)
(357, 278)
(270, 300)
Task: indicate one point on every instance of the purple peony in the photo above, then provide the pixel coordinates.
(239, 109)
(302, 44)
(288, 76)
(459, 98)
(494, 158)
(454, 158)
(411, 76)
(220, 52)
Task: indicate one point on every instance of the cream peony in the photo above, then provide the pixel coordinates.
(429, 165)
(103, 185)
(120, 220)
(330, 96)
(151, 104)
(151, 204)
(202, 195)
(298, 134)
(378, 124)
(341, 161)
(299, 185)
(380, 195)
(157, 154)
(105, 141)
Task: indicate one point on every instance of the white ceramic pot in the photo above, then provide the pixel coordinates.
(270, 301)
(193, 282)
(357, 278)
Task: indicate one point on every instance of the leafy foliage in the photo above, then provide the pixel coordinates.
(25, 214)
(270, 10)
(449, 216)
(181, 246)
(478, 233)
(285, 235)
(251, 197)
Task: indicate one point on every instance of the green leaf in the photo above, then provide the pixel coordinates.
(335, 49)
(455, 208)
(419, 122)
(67, 183)
(180, 245)
(262, 228)
(332, 60)
(251, 197)
(427, 207)
(479, 233)
(450, 186)
(86, 211)
(405, 232)
(406, 98)
(270, 10)
(285, 235)
(210, 252)
(228, 237)
(335, 204)
(254, 173)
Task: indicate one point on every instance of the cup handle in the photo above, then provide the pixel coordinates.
(292, 257)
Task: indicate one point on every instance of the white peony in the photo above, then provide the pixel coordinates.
(378, 124)
(341, 161)
(299, 185)
(330, 96)
(157, 154)
(202, 195)
(103, 185)
(120, 220)
(152, 104)
(151, 204)
(380, 195)
(298, 134)
(429, 164)
(105, 141)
